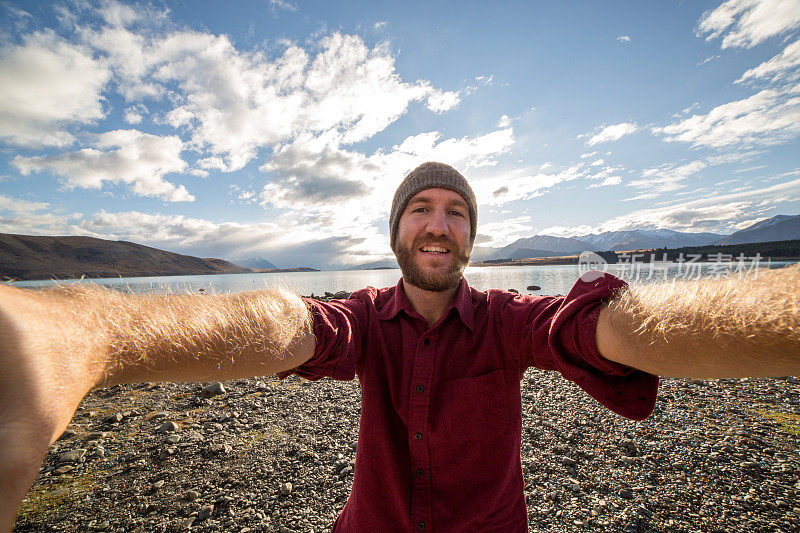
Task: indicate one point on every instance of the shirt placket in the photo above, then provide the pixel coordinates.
(419, 441)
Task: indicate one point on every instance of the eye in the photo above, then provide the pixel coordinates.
(456, 213)
(419, 209)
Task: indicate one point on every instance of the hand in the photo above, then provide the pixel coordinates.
(42, 380)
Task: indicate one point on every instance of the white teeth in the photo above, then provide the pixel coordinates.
(434, 249)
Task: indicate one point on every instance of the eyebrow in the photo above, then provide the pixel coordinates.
(426, 200)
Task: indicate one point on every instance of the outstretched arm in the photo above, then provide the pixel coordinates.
(720, 328)
(56, 345)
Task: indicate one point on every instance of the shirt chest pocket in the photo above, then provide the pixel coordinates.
(475, 408)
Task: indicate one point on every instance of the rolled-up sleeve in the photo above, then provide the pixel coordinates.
(338, 332)
(563, 338)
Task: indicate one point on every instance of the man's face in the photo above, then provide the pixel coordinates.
(433, 240)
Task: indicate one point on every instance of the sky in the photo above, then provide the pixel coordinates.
(281, 128)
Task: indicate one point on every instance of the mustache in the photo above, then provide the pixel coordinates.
(433, 241)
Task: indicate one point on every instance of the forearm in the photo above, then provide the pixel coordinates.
(116, 338)
(722, 328)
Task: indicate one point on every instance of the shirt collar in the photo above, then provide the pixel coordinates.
(462, 302)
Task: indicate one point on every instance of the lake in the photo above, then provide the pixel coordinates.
(553, 279)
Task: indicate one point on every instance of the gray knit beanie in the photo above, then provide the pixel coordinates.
(432, 176)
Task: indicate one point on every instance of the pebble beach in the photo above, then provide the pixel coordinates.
(268, 455)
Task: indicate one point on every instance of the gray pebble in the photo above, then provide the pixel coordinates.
(72, 456)
(214, 389)
(168, 427)
(205, 512)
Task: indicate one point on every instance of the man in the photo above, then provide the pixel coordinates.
(439, 363)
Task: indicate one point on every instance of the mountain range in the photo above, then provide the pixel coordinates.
(777, 228)
(27, 257)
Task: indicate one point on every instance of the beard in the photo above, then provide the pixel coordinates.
(438, 281)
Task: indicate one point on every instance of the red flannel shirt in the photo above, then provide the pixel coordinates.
(439, 440)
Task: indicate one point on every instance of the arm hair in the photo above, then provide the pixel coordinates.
(720, 328)
(187, 337)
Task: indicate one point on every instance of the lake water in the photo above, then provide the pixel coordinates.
(553, 279)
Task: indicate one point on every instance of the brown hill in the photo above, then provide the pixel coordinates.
(26, 257)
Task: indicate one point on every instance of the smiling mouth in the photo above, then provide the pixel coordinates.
(434, 250)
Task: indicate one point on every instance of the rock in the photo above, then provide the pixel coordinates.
(214, 389)
(96, 435)
(72, 456)
(221, 447)
(205, 512)
(155, 415)
(158, 484)
(515, 291)
(625, 493)
(116, 418)
(187, 524)
(534, 288)
(168, 427)
(191, 495)
(63, 469)
(173, 439)
(285, 489)
(341, 295)
(567, 461)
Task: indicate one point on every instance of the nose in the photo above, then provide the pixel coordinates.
(437, 223)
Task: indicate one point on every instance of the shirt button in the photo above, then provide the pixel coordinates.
(418, 435)
(426, 342)
(420, 388)
(421, 525)
(420, 472)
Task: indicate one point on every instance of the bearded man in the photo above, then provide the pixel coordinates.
(439, 363)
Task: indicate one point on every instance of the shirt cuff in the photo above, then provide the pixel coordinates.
(572, 338)
(330, 359)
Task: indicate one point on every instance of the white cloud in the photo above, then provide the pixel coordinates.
(611, 180)
(32, 218)
(715, 213)
(624, 38)
(17, 205)
(46, 84)
(589, 154)
(597, 162)
(282, 4)
(235, 102)
(122, 156)
(613, 133)
(783, 66)
(768, 117)
(504, 122)
(286, 243)
(504, 233)
(665, 178)
(520, 185)
(316, 177)
(135, 114)
(439, 102)
(745, 23)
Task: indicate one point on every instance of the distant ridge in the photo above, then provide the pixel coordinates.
(27, 257)
(777, 228)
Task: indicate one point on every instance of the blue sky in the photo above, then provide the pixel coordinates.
(281, 129)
